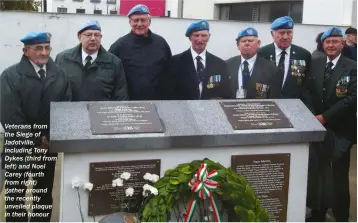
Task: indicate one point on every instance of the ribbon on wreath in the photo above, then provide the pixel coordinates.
(203, 184)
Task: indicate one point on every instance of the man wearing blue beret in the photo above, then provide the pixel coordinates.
(195, 73)
(293, 61)
(252, 76)
(95, 74)
(332, 83)
(145, 57)
(27, 89)
(350, 46)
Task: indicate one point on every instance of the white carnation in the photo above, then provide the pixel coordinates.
(154, 191)
(129, 192)
(154, 178)
(88, 186)
(76, 182)
(125, 175)
(146, 187)
(147, 176)
(117, 182)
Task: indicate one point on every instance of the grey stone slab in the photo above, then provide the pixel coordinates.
(187, 124)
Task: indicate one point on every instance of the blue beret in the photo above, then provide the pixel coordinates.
(139, 9)
(282, 23)
(333, 31)
(247, 32)
(36, 38)
(197, 26)
(90, 25)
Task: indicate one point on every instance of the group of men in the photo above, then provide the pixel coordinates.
(140, 66)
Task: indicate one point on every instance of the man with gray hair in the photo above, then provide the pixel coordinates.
(145, 55)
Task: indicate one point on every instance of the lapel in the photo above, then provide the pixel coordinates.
(272, 53)
(257, 70)
(26, 68)
(188, 63)
(337, 73)
(234, 71)
(51, 73)
(318, 72)
(209, 66)
(75, 54)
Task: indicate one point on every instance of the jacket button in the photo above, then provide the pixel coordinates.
(324, 89)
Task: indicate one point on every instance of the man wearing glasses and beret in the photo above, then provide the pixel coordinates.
(145, 56)
(95, 74)
(27, 89)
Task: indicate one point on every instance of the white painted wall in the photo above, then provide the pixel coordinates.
(328, 12)
(172, 6)
(76, 165)
(86, 4)
(64, 29)
(319, 12)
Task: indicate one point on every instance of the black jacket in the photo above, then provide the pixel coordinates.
(103, 81)
(339, 111)
(263, 73)
(293, 86)
(25, 99)
(145, 61)
(184, 81)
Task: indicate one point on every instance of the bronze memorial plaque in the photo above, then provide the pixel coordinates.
(105, 199)
(268, 174)
(255, 115)
(124, 118)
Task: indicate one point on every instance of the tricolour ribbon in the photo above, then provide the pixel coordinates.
(203, 184)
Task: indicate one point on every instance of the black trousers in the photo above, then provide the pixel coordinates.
(341, 196)
(41, 209)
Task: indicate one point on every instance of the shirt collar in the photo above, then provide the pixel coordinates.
(84, 55)
(335, 61)
(251, 61)
(37, 67)
(279, 50)
(195, 54)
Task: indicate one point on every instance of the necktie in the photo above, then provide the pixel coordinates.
(199, 69)
(88, 61)
(281, 65)
(42, 74)
(328, 70)
(245, 73)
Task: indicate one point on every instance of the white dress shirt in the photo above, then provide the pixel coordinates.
(335, 61)
(38, 68)
(84, 55)
(278, 52)
(251, 62)
(203, 60)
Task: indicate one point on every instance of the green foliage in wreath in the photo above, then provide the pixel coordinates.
(233, 190)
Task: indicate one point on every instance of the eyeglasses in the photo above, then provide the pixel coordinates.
(40, 48)
(139, 20)
(89, 35)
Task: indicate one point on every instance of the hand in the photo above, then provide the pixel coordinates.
(44, 143)
(321, 119)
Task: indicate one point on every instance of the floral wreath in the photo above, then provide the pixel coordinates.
(192, 182)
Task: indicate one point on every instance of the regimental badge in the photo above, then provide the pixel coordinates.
(48, 36)
(250, 32)
(342, 86)
(97, 24)
(290, 24)
(203, 24)
(334, 32)
(144, 9)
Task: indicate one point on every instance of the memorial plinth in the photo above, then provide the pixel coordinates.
(270, 139)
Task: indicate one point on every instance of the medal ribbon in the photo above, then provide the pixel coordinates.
(203, 184)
